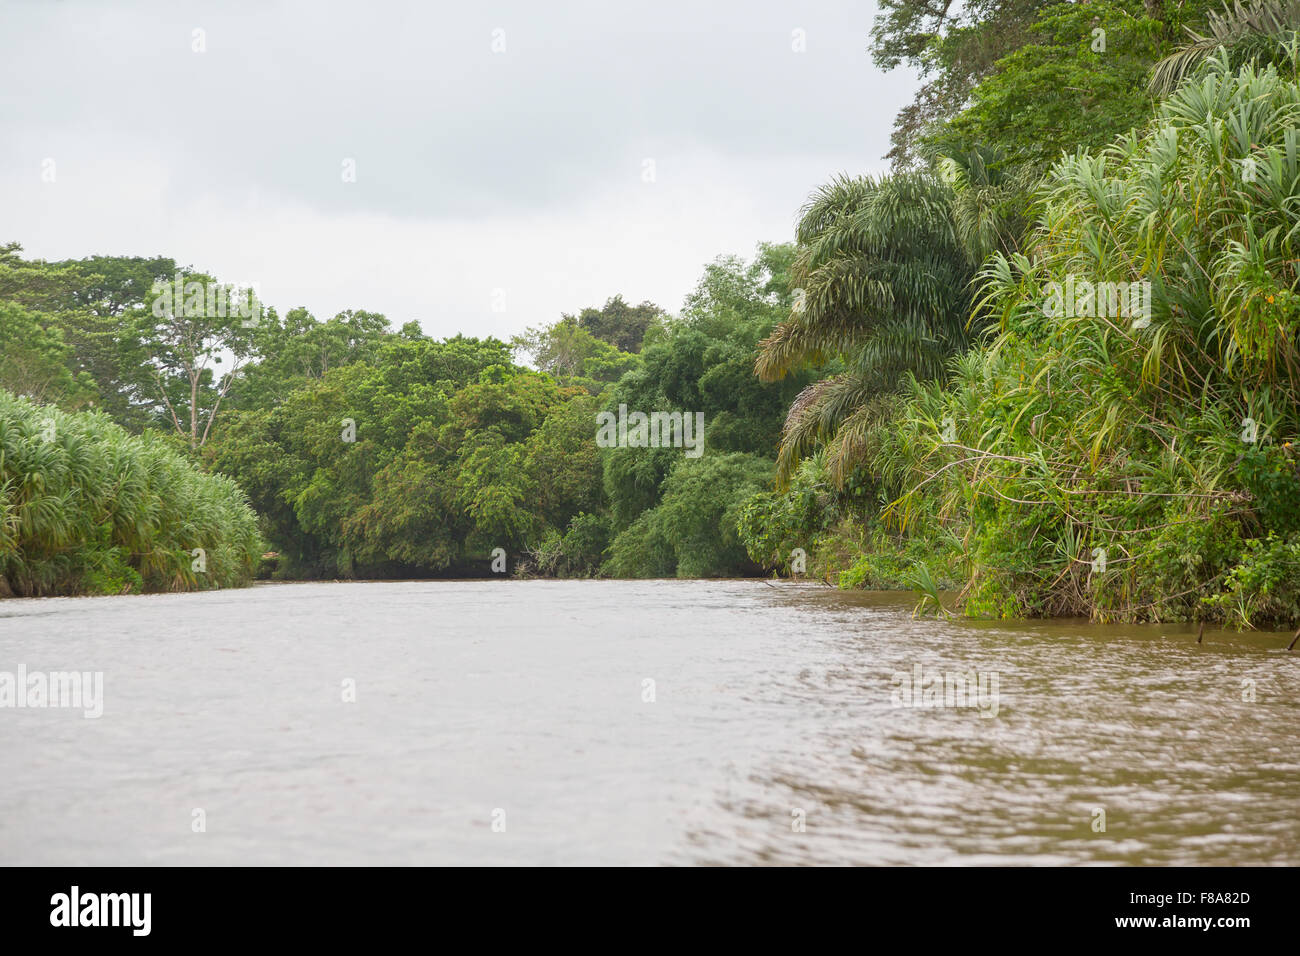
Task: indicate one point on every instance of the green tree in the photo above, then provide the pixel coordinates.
(572, 354)
(192, 339)
(1253, 31)
(885, 293)
(35, 361)
(621, 325)
(107, 290)
(953, 47)
(693, 531)
(1079, 83)
(702, 362)
(82, 304)
(300, 349)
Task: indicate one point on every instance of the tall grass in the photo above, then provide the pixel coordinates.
(86, 508)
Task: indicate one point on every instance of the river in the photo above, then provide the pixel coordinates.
(620, 722)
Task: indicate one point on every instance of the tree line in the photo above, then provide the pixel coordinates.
(371, 451)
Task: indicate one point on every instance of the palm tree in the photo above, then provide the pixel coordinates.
(1248, 31)
(884, 270)
(989, 199)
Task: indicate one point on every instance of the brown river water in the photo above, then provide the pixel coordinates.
(625, 722)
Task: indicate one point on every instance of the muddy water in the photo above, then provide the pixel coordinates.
(637, 722)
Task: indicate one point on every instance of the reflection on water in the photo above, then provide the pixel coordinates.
(635, 722)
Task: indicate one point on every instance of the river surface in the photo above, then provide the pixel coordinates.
(615, 722)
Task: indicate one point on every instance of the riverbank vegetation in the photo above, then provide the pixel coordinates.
(1120, 443)
(1047, 365)
(89, 509)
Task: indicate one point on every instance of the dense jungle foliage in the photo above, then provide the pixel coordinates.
(1120, 441)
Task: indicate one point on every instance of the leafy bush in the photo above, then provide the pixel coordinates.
(579, 552)
(694, 530)
(1265, 587)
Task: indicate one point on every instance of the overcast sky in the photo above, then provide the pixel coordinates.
(600, 148)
